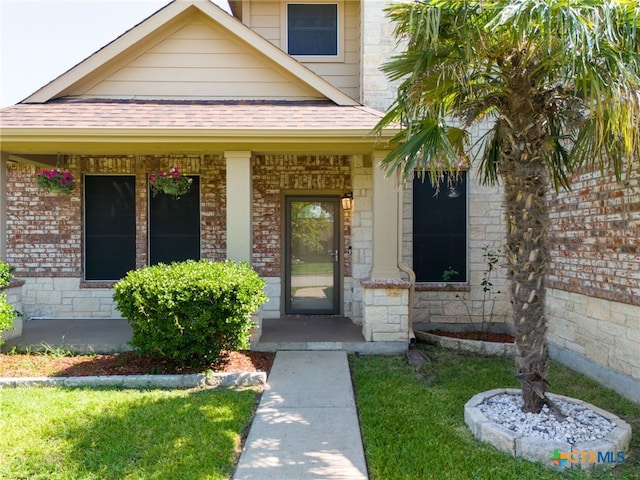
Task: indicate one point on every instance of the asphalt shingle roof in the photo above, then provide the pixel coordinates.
(259, 115)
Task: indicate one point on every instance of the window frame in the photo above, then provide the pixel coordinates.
(150, 235)
(84, 226)
(466, 273)
(284, 28)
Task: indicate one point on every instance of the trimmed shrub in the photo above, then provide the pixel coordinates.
(5, 274)
(7, 312)
(189, 312)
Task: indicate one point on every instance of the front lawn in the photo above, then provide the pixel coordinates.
(412, 423)
(412, 419)
(104, 434)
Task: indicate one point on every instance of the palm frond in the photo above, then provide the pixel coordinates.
(463, 60)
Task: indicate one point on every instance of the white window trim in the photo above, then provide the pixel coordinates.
(313, 58)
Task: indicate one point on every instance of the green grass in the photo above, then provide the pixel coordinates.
(312, 269)
(102, 434)
(412, 419)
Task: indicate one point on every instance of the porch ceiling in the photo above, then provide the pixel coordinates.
(115, 127)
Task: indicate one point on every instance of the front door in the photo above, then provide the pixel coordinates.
(312, 253)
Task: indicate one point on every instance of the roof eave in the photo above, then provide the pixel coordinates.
(104, 140)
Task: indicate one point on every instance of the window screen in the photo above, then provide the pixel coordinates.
(312, 28)
(174, 226)
(110, 226)
(440, 230)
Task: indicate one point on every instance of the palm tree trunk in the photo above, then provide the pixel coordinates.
(525, 183)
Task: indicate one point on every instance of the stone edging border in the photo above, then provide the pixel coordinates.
(540, 450)
(200, 380)
(461, 344)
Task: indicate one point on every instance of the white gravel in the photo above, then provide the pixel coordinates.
(581, 424)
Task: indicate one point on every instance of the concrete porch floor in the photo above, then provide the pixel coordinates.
(286, 333)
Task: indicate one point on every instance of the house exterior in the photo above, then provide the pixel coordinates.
(270, 112)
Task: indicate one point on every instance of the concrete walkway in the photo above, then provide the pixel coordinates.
(306, 425)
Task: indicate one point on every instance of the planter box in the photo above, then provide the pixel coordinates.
(424, 333)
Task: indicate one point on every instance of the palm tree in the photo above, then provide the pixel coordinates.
(557, 84)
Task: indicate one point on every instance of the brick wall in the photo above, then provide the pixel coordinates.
(45, 236)
(45, 229)
(595, 237)
(273, 175)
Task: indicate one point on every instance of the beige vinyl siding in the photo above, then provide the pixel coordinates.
(200, 61)
(265, 18)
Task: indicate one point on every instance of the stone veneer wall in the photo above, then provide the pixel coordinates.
(13, 292)
(596, 337)
(362, 227)
(378, 45)
(432, 302)
(386, 311)
(594, 246)
(437, 302)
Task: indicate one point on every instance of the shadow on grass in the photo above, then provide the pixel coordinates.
(157, 436)
(412, 419)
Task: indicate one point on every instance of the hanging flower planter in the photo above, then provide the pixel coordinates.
(56, 181)
(169, 183)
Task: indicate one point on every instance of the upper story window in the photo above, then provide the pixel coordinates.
(313, 31)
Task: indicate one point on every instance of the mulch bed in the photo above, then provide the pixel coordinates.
(126, 363)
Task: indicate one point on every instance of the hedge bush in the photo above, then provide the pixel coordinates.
(7, 312)
(189, 312)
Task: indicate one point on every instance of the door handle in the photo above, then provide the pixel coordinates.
(335, 254)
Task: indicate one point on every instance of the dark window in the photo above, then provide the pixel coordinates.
(174, 226)
(110, 226)
(440, 230)
(312, 28)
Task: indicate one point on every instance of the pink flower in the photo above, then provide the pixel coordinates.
(56, 179)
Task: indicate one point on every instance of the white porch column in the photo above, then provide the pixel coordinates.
(239, 236)
(385, 223)
(3, 205)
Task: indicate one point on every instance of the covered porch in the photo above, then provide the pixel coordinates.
(247, 171)
(297, 332)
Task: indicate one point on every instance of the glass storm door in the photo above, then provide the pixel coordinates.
(312, 255)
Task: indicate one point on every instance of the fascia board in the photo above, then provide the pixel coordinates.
(106, 134)
(103, 140)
